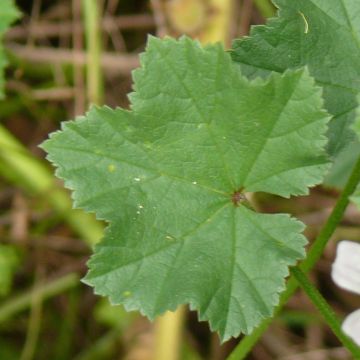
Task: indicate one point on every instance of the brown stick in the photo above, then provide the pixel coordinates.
(245, 17)
(119, 63)
(52, 29)
(160, 18)
(57, 94)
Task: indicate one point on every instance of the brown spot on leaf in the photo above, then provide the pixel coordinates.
(237, 197)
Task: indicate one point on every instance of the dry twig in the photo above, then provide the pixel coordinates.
(119, 63)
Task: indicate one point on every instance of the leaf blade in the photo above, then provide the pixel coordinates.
(165, 173)
(324, 36)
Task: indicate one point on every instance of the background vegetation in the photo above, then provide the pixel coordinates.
(64, 55)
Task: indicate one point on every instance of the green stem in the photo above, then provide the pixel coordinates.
(23, 301)
(34, 324)
(93, 44)
(333, 221)
(168, 331)
(325, 310)
(19, 166)
(265, 7)
(314, 254)
(67, 327)
(102, 348)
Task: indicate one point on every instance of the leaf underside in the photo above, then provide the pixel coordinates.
(323, 35)
(171, 176)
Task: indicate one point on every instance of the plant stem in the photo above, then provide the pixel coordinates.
(333, 221)
(104, 347)
(34, 324)
(218, 27)
(325, 310)
(77, 43)
(314, 254)
(22, 168)
(92, 18)
(168, 329)
(21, 302)
(265, 7)
(67, 328)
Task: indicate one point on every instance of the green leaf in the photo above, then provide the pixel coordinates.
(171, 177)
(8, 14)
(325, 36)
